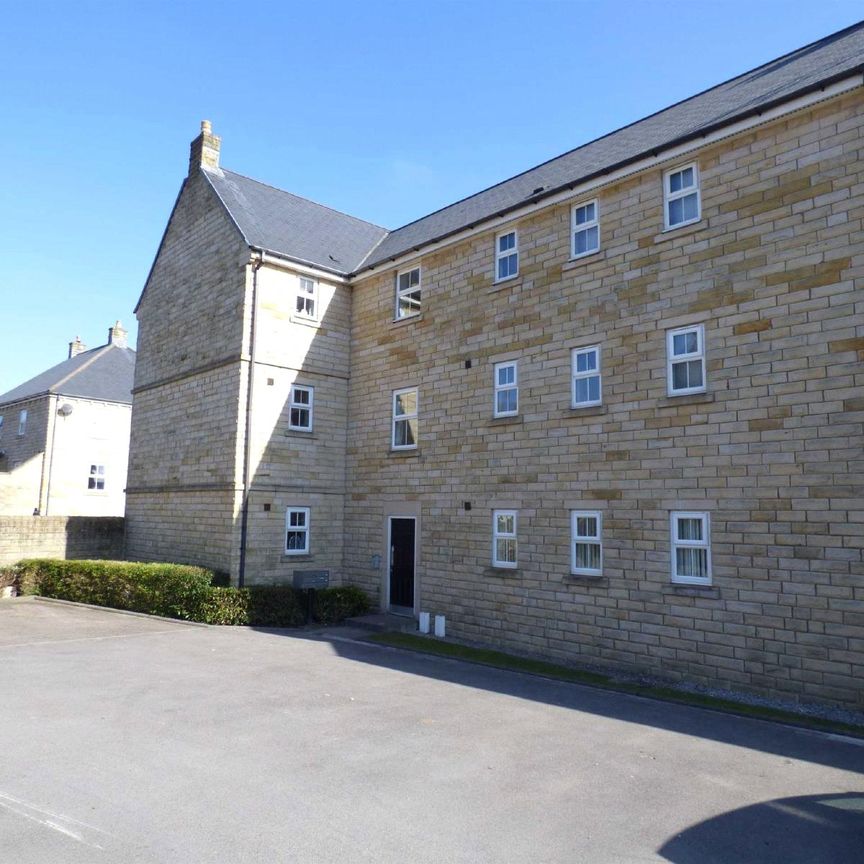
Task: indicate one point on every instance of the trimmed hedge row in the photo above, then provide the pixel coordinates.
(181, 591)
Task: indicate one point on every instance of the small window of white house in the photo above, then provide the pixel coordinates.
(586, 229)
(586, 377)
(685, 349)
(681, 202)
(691, 549)
(297, 531)
(504, 549)
(404, 435)
(300, 408)
(408, 293)
(307, 297)
(506, 389)
(587, 551)
(506, 256)
(96, 480)
(22, 422)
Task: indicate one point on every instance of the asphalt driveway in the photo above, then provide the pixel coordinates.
(127, 739)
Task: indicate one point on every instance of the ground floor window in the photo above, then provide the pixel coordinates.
(297, 531)
(587, 545)
(504, 542)
(691, 548)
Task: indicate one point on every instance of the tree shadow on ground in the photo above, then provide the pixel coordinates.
(810, 829)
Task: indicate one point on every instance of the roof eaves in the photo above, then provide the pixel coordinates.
(701, 132)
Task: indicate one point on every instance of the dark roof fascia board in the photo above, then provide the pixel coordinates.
(342, 274)
(703, 132)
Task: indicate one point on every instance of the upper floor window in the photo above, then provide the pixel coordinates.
(297, 531)
(22, 422)
(506, 256)
(408, 293)
(691, 549)
(96, 480)
(504, 552)
(404, 432)
(506, 389)
(586, 229)
(586, 377)
(1, 424)
(307, 298)
(681, 196)
(685, 350)
(300, 408)
(587, 545)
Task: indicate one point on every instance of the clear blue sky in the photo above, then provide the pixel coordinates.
(386, 110)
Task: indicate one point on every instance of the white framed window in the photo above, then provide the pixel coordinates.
(691, 548)
(408, 291)
(506, 389)
(681, 199)
(96, 479)
(300, 406)
(22, 422)
(1, 424)
(586, 557)
(586, 375)
(404, 427)
(685, 352)
(506, 256)
(307, 299)
(297, 531)
(504, 543)
(585, 223)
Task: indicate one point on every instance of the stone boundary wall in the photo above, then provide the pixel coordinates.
(60, 537)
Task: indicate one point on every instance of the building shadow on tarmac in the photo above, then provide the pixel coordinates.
(767, 737)
(811, 829)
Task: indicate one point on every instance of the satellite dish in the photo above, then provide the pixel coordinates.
(65, 409)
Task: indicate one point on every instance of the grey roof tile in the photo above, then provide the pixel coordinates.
(278, 221)
(807, 68)
(104, 373)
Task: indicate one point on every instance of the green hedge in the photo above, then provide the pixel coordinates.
(181, 591)
(171, 590)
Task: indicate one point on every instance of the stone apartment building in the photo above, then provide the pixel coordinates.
(608, 411)
(64, 435)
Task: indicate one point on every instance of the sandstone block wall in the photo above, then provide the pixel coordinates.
(772, 450)
(60, 537)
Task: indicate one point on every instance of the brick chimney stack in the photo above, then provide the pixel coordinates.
(76, 347)
(204, 150)
(117, 335)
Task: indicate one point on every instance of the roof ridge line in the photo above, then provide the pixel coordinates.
(98, 353)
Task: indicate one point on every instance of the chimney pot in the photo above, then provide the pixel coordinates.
(117, 335)
(77, 347)
(204, 150)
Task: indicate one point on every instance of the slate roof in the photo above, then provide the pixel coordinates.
(278, 221)
(104, 373)
(809, 68)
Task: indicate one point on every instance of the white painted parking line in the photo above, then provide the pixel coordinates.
(66, 825)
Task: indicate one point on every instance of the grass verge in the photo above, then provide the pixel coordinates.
(500, 660)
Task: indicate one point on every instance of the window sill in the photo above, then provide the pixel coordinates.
(685, 399)
(502, 572)
(504, 421)
(579, 579)
(510, 282)
(407, 319)
(683, 590)
(300, 433)
(681, 231)
(405, 453)
(306, 322)
(587, 411)
(573, 263)
(288, 559)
